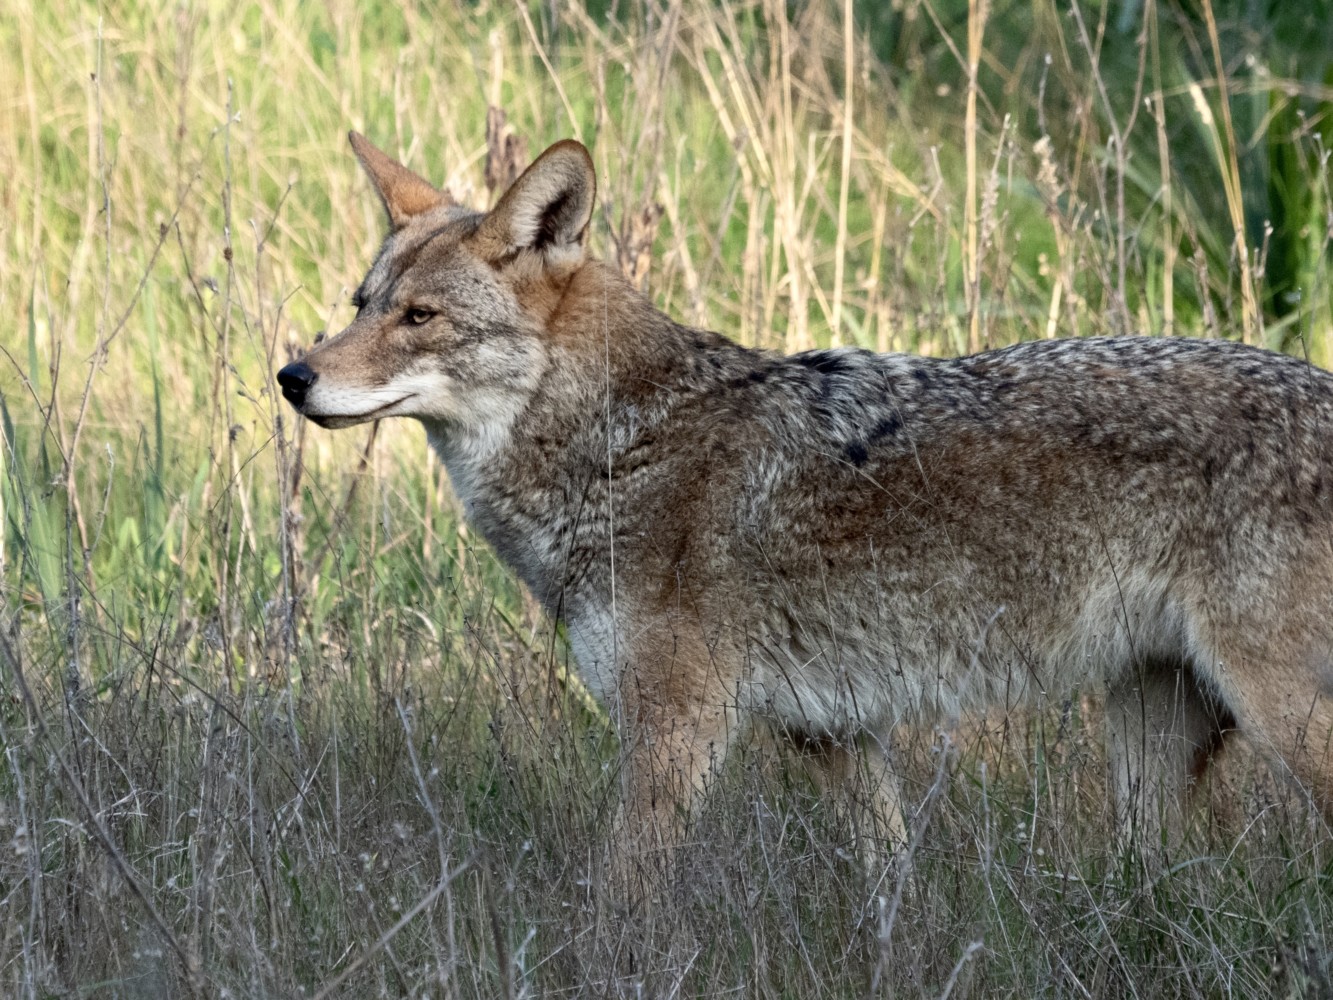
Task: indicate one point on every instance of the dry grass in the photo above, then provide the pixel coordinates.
(274, 725)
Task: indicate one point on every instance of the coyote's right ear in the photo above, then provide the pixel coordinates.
(403, 193)
(547, 209)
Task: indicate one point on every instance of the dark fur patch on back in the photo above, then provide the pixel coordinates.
(887, 427)
(824, 362)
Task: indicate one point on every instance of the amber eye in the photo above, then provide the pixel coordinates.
(416, 317)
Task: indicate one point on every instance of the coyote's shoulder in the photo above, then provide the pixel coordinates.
(837, 541)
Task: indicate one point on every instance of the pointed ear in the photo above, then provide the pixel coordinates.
(403, 193)
(548, 208)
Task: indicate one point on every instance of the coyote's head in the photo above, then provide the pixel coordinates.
(449, 320)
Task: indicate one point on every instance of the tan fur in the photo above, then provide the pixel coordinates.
(402, 192)
(837, 542)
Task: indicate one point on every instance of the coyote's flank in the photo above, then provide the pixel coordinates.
(836, 542)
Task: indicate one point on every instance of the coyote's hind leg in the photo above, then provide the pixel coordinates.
(1283, 687)
(1163, 728)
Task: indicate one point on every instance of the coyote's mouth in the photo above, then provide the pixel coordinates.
(336, 420)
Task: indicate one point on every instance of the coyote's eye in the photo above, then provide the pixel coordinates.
(416, 317)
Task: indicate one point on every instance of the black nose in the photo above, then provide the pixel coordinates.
(296, 379)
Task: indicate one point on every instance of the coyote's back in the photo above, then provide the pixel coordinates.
(1027, 518)
(839, 541)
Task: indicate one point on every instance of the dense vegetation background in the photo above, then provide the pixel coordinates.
(273, 724)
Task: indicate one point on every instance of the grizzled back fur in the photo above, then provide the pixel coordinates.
(837, 541)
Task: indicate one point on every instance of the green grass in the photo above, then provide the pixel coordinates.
(275, 724)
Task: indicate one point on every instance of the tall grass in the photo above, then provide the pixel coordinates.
(275, 725)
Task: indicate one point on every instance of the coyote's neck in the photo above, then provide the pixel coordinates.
(544, 484)
(471, 454)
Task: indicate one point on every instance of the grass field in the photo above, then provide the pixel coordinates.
(275, 725)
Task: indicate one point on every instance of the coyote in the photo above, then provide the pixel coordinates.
(836, 542)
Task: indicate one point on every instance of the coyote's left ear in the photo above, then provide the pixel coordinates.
(547, 209)
(404, 193)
